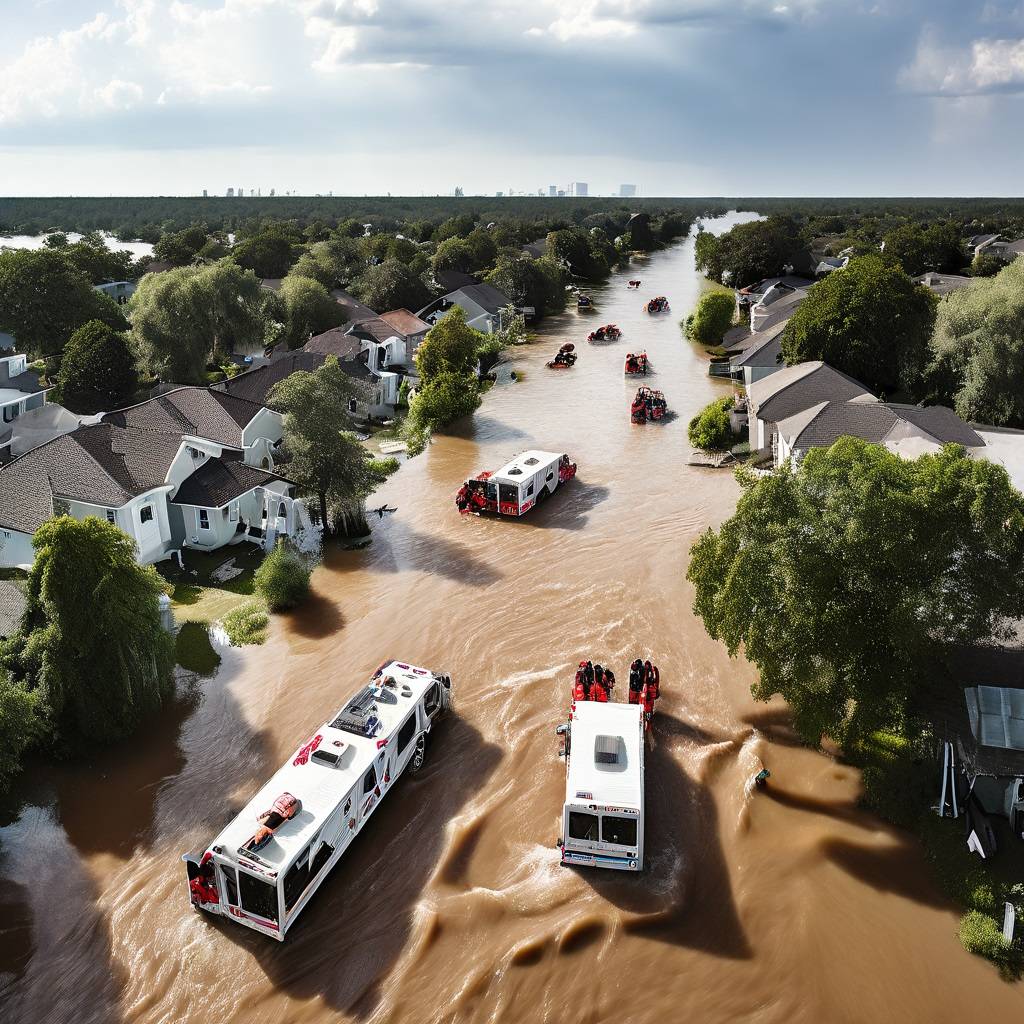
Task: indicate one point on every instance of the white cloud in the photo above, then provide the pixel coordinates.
(119, 95)
(983, 66)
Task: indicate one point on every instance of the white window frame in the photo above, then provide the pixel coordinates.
(200, 512)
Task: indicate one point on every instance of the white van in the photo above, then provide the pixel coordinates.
(266, 864)
(603, 813)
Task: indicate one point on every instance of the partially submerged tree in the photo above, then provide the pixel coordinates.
(93, 644)
(868, 320)
(19, 726)
(182, 318)
(711, 429)
(323, 458)
(844, 580)
(713, 316)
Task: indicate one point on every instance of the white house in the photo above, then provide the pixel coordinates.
(793, 390)
(482, 304)
(389, 342)
(759, 355)
(119, 291)
(20, 393)
(190, 469)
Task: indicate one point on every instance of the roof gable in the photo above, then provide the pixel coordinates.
(796, 388)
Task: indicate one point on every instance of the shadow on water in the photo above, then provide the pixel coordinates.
(567, 509)
(481, 427)
(684, 896)
(318, 616)
(361, 919)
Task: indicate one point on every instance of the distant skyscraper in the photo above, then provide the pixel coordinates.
(204, 193)
(230, 192)
(241, 192)
(627, 191)
(499, 195)
(552, 190)
(578, 188)
(271, 191)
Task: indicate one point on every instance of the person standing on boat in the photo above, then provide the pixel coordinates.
(636, 681)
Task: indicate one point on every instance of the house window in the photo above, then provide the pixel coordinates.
(11, 412)
(146, 514)
(111, 516)
(351, 405)
(204, 519)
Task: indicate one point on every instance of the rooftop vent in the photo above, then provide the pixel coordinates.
(608, 750)
(515, 471)
(358, 715)
(325, 757)
(531, 461)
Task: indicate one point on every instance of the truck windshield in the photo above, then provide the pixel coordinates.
(583, 826)
(621, 831)
(258, 897)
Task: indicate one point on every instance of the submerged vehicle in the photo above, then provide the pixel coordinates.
(514, 489)
(658, 304)
(648, 405)
(264, 867)
(609, 332)
(565, 358)
(603, 812)
(637, 364)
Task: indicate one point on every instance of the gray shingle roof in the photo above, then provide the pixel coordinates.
(12, 607)
(218, 482)
(254, 385)
(796, 388)
(484, 295)
(215, 415)
(335, 342)
(823, 424)
(28, 382)
(374, 327)
(764, 348)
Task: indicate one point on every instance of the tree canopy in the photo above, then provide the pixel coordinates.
(713, 316)
(182, 317)
(323, 458)
(843, 580)
(978, 349)
(92, 642)
(308, 309)
(45, 298)
(749, 252)
(390, 285)
(529, 282)
(868, 320)
(710, 429)
(919, 248)
(269, 252)
(97, 370)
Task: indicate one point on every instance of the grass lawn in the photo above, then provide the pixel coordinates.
(197, 596)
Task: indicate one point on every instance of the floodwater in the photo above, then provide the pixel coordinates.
(790, 905)
(138, 248)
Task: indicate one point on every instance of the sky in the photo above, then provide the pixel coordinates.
(681, 97)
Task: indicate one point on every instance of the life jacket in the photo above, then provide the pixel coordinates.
(600, 693)
(579, 690)
(636, 677)
(203, 890)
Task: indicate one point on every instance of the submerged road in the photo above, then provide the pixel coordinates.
(790, 906)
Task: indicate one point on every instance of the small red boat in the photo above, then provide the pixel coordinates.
(657, 305)
(637, 364)
(648, 405)
(610, 332)
(565, 358)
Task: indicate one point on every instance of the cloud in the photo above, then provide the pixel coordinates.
(983, 66)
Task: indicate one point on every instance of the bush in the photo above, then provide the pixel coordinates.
(19, 726)
(713, 316)
(710, 429)
(247, 624)
(983, 937)
(283, 578)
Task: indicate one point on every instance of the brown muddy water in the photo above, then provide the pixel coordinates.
(786, 906)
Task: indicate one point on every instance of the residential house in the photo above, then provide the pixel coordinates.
(119, 291)
(353, 358)
(996, 245)
(907, 430)
(537, 248)
(942, 284)
(453, 280)
(190, 469)
(772, 300)
(13, 604)
(793, 390)
(482, 303)
(20, 394)
(760, 355)
(255, 385)
(829, 263)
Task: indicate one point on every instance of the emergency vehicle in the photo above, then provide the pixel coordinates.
(515, 488)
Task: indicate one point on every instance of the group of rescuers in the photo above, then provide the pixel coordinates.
(595, 683)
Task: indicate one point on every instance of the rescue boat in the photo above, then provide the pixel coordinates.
(513, 490)
(584, 302)
(565, 358)
(637, 364)
(648, 405)
(659, 304)
(609, 332)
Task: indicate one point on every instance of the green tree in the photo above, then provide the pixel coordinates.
(282, 579)
(868, 320)
(814, 577)
(308, 309)
(268, 253)
(182, 318)
(93, 644)
(977, 363)
(984, 265)
(713, 316)
(917, 249)
(390, 285)
(710, 429)
(453, 254)
(181, 247)
(91, 255)
(443, 399)
(750, 252)
(45, 298)
(97, 370)
(20, 726)
(451, 346)
(322, 457)
(529, 282)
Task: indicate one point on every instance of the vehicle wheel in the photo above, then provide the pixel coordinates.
(419, 755)
(544, 495)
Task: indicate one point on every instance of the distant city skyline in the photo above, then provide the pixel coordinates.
(803, 97)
